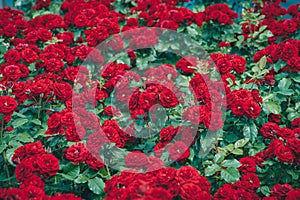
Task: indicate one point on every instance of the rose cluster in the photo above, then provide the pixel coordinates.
(285, 141)
(244, 103)
(7, 106)
(165, 183)
(287, 51)
(34, 166)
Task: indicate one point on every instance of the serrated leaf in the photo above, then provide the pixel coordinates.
(231, 163)
(265, 190)
(230, 174)
(262, 62)
(81, 179)
(19, 122)
(211, 170)
(96, 185)
(238, 151)
(273, 107)
(219, 157)
(241, 143)
(2, 147)
(71, 171)
(36, 121)
(284, 84)
(230, 147)
(24, 137)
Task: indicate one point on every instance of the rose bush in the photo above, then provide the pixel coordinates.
(150, 100)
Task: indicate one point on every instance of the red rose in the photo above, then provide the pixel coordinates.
(12, 56)
(168, 99)
(29, 56)
(75, 133)
(94, 162)
(166, 175)
(66, 38)
(284, 154)
(286, 133)
(54, 121)
(270, 130)
(190, 191)
(111, 111)
(48, 165)
(159, 149)
(10, 30)
(76, 153)
(33, 180)
(54, 65)
(187, 65)
(188, 174)
(12, 73)
(158, 194)
(179, 151)
(166, 134)
(295, 123)
(63, 91)
(248, 165)
(7, 105)
(136, 159)
(294, 144)
(25, 169)
(275, 118)
(250, 181)
(252, 109)
(67, 119)
(15, 193)
(39, 89)
(281, 190)
(293, 194)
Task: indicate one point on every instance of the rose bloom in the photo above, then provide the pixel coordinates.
(284, 154)
(63, 91)
(136, 159)
(48, 165)
(7, 105)
(190, 191)
(270, 130)
(167, 133)
(76, 153)
(248, 165)
(281, 190)
(179, 151)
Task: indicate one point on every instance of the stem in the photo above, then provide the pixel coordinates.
(3, 153)
(108, 172)
(40, 107)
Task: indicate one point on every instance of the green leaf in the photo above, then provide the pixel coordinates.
(230, 174)
(230, 147)
(71, 171)
(96, 185)
(284, 84)
(241, 143)
(211, 170)
(81, 179)
(273, 107)
(238, 152)
(24, 137)
(219, 157)
(262, 62)
(247, 132)
(265, 190)
(36, 121)
(19, 122)
(2, 147)
(231, 163)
